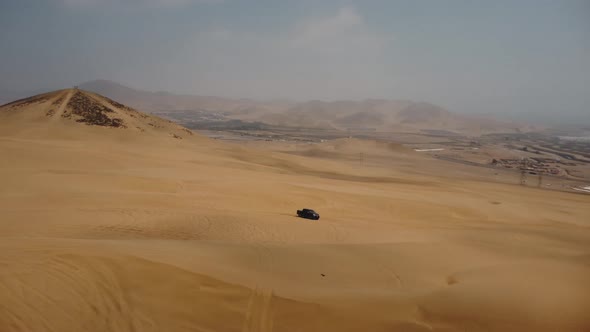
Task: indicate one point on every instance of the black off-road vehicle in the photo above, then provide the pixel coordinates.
(308, 214)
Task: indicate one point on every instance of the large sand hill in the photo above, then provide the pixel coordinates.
(112, 229)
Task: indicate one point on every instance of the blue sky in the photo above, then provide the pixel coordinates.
(522, 58)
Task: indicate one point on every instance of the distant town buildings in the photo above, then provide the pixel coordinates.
(533, 165)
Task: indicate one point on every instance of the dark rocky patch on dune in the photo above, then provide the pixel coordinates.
(91, 112)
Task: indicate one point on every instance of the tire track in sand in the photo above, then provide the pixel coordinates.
(258, 313)
(259, 310)
(60, 111)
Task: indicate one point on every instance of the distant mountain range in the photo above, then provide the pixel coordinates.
(370, 114)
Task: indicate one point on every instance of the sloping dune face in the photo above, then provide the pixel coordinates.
(73, 107)
(110, 228)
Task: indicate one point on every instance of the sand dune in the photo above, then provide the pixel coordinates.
(116, 229)
(43, 114)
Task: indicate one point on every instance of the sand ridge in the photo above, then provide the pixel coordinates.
(107, 229)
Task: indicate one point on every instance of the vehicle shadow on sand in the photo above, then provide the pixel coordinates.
(289, 214)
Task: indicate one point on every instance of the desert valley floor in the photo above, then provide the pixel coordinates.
(107, 229)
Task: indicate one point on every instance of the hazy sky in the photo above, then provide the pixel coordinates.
(502, 57)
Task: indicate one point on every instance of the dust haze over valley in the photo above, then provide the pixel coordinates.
(449, 198)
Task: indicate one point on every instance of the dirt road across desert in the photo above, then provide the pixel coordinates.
(108, 229)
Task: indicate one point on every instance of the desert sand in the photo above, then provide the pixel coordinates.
(106, 228)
